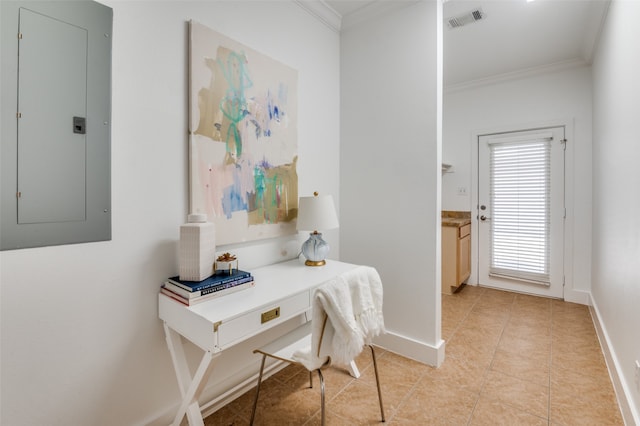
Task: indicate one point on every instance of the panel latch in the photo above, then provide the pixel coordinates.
(79, 125)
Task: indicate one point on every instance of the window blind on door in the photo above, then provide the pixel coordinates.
(520, 188)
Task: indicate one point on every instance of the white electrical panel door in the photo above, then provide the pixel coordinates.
(52, 111)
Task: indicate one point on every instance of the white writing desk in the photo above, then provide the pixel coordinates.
(282, 291)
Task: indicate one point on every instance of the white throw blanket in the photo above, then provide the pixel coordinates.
(352, 306)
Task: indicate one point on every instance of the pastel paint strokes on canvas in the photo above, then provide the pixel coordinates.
(243, 139)
(274, 189)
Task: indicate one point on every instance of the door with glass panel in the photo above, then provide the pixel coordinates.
(521, 211)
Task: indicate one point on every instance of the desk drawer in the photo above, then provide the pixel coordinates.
(257, 321)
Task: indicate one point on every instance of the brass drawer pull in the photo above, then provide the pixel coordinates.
(270, 315)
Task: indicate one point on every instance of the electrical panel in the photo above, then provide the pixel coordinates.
(56, 119)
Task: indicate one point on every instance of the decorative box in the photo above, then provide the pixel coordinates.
(225, 264)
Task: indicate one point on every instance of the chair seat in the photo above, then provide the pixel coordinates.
(284, 346)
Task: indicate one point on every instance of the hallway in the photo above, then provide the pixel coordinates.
(510, 359)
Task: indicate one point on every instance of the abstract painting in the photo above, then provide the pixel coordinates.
(243, 138)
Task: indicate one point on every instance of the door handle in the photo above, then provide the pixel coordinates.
(484, 218)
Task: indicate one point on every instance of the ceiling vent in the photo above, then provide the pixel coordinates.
(466, 18)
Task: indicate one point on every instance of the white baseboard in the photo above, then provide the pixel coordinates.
(577, 296)
(411, 348)
(623, 392)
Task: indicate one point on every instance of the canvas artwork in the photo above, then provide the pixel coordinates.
(243, 138)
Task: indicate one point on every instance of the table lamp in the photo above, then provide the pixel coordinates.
(316, 213)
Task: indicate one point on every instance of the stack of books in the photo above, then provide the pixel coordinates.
(221, 283)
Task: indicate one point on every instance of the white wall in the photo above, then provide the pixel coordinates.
(564, 95)
(390, 168)
(616, 199)
(81, 340)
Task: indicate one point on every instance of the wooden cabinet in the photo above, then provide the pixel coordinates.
(456, 256)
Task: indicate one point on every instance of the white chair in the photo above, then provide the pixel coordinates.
(346, 315)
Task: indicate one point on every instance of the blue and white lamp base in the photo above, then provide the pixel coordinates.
(315, 250)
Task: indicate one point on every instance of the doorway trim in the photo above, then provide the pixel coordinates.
(570, 294)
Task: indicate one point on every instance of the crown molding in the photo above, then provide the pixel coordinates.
(373, 10)
(322, 12)
(516, 75)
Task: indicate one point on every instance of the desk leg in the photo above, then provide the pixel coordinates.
(190, 387)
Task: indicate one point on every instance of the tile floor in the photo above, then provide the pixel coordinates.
(511, 359)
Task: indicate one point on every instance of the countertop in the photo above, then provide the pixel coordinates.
(455, 218)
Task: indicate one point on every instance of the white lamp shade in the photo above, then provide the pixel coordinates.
(316, 213)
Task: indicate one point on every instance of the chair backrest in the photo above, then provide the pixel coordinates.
(349, 311)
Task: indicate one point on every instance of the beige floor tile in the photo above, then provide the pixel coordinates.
(536, 347)
(447, 331)
(466, 293)
(539, 304)
(484, 320)
(499, 311)
(225, 417)
(358, 404)
(461, 374)
(397, 359)
(572, 379)
(524, 366)
(394, 370)
(531, 321)
(462, 301)
(364, 359)
(335, 380)
(566, 319)
(532, 332)
(474, 333)
(484, 324)
(575, 342)
(493, 413)
(528, 300)
(568, 409)
(579, 398)
(475, 337)
(462, 351)
(281, 404)
(434, 402)
(491, 295)
(561, 306)
(244, 402)
(521, 394)
(574, 331)
(331, 419)
(578, 361)
(288, 372)
(586, 385)
(398, 375)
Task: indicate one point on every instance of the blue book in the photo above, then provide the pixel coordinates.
(212, 281)
(187, 298)
(198, 293)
